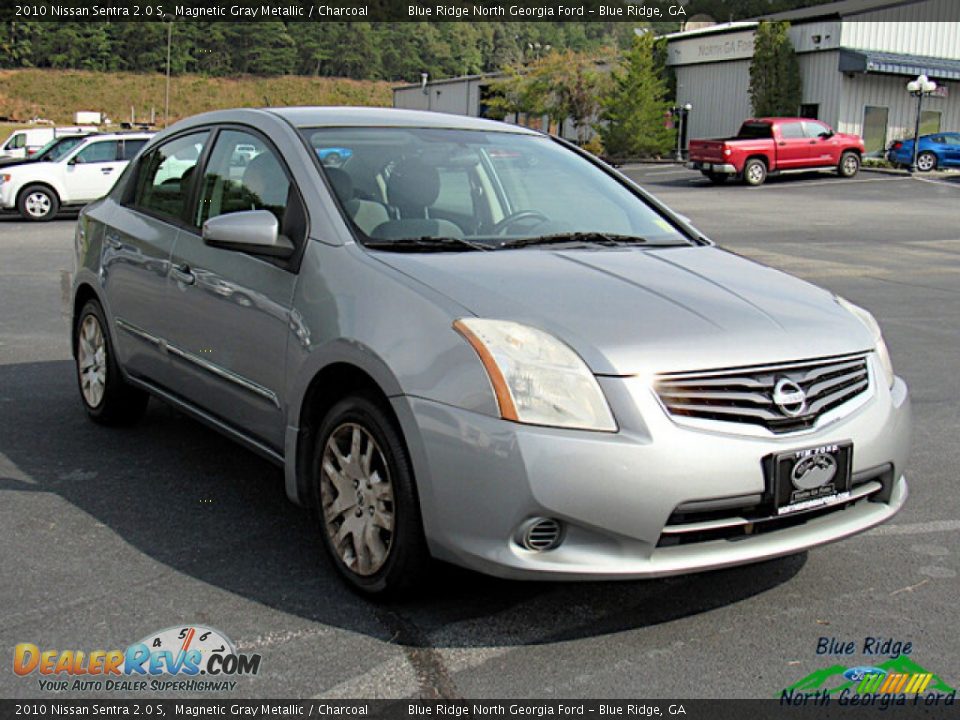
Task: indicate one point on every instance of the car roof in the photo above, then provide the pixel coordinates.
(389, 117)
(119, 136)
(782, 119)
(305, 116)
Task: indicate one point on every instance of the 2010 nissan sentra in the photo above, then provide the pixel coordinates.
(474, 342)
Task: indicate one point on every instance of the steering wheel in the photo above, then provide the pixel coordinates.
(510, 220)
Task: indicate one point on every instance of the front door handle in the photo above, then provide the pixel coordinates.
(106, 171)
(183, 274)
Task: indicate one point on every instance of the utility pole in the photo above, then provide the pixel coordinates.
(166, 100)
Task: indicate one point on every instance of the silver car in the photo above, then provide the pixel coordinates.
(476, 343)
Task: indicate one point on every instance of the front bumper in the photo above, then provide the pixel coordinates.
(721, 168)
(8, 197)
(481, 478)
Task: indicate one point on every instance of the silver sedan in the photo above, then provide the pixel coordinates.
(471, 342)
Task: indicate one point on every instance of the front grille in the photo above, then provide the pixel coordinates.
(746, 395)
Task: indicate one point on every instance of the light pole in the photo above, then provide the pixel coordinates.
(682, 112)
(166, 99)
(919, 87)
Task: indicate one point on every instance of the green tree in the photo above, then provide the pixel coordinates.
(635, 108)
(776, 87)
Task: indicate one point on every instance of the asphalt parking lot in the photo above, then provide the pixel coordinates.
(107, 535)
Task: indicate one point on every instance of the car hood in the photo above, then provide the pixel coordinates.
(630, 311)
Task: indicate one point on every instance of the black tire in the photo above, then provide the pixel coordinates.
(715, 177)
(38, 203)
(755, 172)
(926, 161)
(407, 559)
(849, 165)
(120, 404)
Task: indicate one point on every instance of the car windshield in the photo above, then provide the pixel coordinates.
(427, 189)
(56, 149)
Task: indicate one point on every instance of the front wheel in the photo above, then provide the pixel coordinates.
(366, 499)
(755, 172)
(106, 396)
(926, 161)
(38, 203)
(849, 165)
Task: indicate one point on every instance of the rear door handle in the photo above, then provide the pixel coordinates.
(183, 274)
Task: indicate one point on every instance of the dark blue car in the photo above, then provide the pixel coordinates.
(938, 150)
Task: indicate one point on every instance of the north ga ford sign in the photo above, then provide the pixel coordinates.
(711, 48)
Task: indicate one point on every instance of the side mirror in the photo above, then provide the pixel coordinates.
(826, 135)
(253, 231)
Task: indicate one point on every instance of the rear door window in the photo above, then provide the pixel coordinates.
(130, 148)
(791, 131)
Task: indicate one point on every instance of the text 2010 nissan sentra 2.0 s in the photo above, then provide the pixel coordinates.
(474, 342)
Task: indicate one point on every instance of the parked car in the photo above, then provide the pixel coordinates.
(52, 151)
(769, 146)
(24, 143)
(937, 150)
(483, 345)
(335, 156)
(85, 172)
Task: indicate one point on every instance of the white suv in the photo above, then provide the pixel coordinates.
(38, 190)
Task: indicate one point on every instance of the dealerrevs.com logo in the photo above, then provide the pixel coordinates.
(189, 658)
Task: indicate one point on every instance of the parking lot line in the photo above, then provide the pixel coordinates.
(954, 185)
(832, 181)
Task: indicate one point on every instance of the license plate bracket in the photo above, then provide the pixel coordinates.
(811, 478)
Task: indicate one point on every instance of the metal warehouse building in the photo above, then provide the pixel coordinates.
(855, 58)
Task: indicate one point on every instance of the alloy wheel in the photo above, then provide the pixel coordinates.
(926, 162)
(356, 495)
(92, 361)
(755, 173)
(37, 204)
(850, 165)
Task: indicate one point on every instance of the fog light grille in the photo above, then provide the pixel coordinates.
(541, 534)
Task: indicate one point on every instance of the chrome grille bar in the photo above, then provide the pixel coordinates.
(746, 395)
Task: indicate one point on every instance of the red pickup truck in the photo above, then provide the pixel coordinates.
(767, 146)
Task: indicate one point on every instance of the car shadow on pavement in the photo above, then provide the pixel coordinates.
(196, 502)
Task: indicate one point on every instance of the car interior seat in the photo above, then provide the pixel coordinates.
(367, 214)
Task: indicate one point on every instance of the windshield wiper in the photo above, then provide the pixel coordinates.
(426, 243)
(583, 238)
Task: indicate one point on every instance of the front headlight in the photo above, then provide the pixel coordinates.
(4, 179)
(879, 346)
(537, 378)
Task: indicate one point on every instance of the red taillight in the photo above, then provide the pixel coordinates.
(897, 145)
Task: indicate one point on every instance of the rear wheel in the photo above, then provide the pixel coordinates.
(715, 177)
(755, 172)
(38, 203)
(366, 499)
(106, 396)
(849, 165)
(926, 161)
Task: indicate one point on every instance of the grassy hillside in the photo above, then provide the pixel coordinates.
(57, 94)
